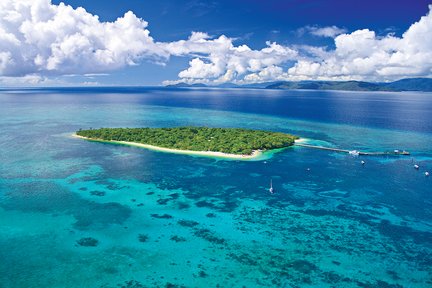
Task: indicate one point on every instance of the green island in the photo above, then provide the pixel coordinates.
(198, 140)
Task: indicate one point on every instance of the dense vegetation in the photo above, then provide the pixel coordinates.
(226, 140)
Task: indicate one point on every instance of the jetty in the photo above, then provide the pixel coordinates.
(356, 152)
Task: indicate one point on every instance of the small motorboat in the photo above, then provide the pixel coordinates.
(427, 174)
(271, 190)
(416, 166)
(363, 162)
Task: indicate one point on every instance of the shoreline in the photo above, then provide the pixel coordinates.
(300, 140)
(256, 154)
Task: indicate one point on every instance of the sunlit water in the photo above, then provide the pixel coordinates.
(82, 214)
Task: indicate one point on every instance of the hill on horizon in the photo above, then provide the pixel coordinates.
(406, 84)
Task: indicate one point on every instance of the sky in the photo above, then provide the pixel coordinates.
(160, 42)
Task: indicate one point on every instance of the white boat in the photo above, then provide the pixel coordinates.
(271, 187)
(354, 153)
(416, 166)
(427, 174)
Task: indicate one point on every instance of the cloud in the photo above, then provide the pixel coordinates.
(39, 37)
(360, 55)
(28, 80)
(39, 40)
(365, 56)
(90, 83)
(270, 73)
(329, 31)
(219, 60)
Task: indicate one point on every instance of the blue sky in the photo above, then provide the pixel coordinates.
(286, 40)
(256, 19)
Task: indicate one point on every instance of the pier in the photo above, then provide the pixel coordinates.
(355, 152)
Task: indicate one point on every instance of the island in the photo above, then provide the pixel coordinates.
(236, 143)
(406, 84)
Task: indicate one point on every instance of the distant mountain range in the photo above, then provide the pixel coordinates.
(182, 84)
(408, 84)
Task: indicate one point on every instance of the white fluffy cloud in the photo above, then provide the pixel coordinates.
(220, 61)
(38, 37)
(39, 40)
(363, 55)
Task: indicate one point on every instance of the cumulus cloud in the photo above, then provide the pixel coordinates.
(40, 40)
(220, 61)
(364, 55)
(39, 37)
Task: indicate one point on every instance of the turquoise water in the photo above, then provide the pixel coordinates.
(82, 214)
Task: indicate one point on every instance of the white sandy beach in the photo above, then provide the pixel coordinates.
(301, 140)
(255, 154)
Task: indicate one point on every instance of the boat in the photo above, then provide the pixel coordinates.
(271, 187)
(354, 153)
(427, 174)
(416, 166)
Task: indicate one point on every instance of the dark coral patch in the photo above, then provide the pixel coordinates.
(88, 242)
(49, 197)
(171, 285)
(209, 236)
(132, 284)
(163, 201)
(187, 223)
(183, 205)
(303, 266)
(174, 195)
(161, 216)
(101, 215)
(143, 238)
(177, 238)
(97, 193)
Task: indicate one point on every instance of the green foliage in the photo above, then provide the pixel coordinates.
(226, 140)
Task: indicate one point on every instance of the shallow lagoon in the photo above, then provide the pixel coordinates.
(161, 220)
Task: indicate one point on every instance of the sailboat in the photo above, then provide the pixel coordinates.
(271, 186)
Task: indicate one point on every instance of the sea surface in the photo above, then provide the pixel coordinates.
(75, 213)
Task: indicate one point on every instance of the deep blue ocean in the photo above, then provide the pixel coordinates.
(75, 213)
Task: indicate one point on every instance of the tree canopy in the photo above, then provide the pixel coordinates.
(225, 140)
